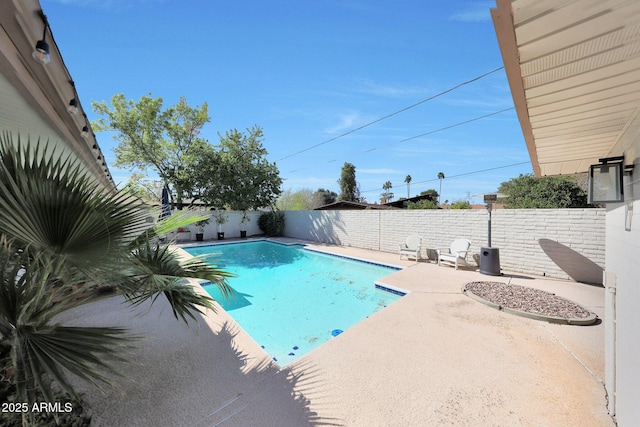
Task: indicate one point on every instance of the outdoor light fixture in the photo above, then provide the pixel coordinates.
(72, 108)
(85, 132)
(606, 180)
(41, 52)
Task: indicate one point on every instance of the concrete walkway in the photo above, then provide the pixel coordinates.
(435, 357)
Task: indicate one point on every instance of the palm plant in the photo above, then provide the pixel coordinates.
(62, 236)
(408, 181)
(387, 195)
(440, 177)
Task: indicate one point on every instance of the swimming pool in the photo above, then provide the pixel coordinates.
(290, 299)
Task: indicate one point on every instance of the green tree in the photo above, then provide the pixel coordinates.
(237, 173)
(408, 179)
(387, 195)
(62, 238)
(301, 200)
(423, 204)
(165, 141)
(326, 196)
(431, 193)
(527, 191)
(142, 188)
(349, 190)
(461, 204)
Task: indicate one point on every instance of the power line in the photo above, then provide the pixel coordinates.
(392, 114)
(459, 175)
(424, 134)
(431, 132)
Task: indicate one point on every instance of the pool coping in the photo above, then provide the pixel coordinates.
(435, 348)
(279, 242)
(378, 283)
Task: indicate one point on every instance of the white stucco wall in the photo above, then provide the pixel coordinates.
(231, 227)
(562, 243)
(622, 342)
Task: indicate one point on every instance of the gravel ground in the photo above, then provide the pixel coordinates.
(528, 300)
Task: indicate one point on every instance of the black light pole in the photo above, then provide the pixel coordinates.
(489, 222)
(490, 257)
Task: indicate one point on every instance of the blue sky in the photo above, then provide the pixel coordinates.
(309, 71)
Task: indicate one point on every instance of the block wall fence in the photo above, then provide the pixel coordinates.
(558, 243)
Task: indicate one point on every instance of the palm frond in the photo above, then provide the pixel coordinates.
(55, 209)
(40, 351)
(45, 352)
(166, 225)
(61, 233)
(159, 270)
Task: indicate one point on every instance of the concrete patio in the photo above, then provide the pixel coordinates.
(435, 357)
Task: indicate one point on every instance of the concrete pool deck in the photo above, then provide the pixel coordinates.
(435, 357)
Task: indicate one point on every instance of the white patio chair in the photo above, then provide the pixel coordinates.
(411, 247)
(456, 254)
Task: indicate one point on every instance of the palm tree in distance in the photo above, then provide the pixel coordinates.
(387, 195)
(408, 181)
(440, 177)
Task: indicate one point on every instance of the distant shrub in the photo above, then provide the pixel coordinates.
(272, 223)
(423, 204)
(461, 204)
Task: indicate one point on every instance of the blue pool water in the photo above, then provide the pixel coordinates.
(292, 300)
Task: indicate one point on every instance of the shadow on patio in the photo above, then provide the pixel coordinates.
(196, 375)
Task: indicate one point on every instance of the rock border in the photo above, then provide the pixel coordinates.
(581, 321)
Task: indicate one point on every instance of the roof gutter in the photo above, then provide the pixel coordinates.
(505, 32)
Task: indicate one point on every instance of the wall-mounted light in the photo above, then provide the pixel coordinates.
(606, 180)
(85, 132)
(72, 108)
(41, 51)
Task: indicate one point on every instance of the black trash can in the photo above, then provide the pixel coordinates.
(490, 261)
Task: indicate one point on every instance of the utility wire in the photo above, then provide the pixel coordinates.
(424, 134)
(459, 175)
(392, 114)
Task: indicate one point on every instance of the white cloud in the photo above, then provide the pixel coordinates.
(345, 122)
(370, 87)
(379, 171)
(478, 12)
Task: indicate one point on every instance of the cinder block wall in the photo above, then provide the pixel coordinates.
(559, 243)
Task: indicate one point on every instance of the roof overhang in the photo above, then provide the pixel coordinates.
(574, 71)
(34, 97)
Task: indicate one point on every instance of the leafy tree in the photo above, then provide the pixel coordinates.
(69, 239)
(149, 137)
(301, 200)
(237, 174)
(408, 179)
(527, 192)
(285, 201)
(142, 188)
(349, 190)
(461, 204)
(432, 193)
(327, 196)
(387, 195)
(423, 204)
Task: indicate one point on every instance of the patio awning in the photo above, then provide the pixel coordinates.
(574, 71)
